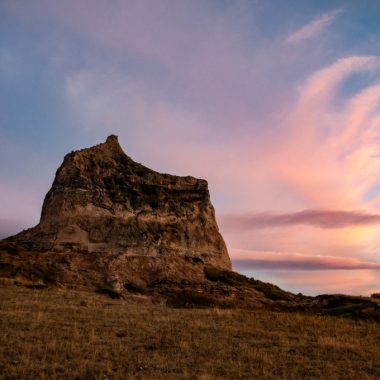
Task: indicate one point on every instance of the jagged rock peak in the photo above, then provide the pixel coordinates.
(111, 139)
(102, 201)
(112, 143)
(110, 146)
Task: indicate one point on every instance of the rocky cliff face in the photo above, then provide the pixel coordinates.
(104, 204)
(112, 225)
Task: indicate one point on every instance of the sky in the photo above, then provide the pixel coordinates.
(275, 102)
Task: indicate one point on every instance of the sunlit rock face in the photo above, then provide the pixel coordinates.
(102, 202)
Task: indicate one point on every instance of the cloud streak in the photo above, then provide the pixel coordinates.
(316, 218)
(258, 260)
(314, 27)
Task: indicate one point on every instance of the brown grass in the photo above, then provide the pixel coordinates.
(51, 333)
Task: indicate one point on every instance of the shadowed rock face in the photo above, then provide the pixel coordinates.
(101, 201)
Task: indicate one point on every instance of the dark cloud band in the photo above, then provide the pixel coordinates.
(302, 263)
(317, 218)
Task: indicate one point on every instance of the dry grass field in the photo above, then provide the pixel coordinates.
(61, 334)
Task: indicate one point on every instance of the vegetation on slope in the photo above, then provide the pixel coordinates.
(270, 291)
(52, 333)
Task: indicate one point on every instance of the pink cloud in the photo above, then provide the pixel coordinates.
(317, 218)
(318, 156)
(310, 274)
(314, 27)
(259, 260)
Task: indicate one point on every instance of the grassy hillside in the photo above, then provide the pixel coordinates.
(51, 333)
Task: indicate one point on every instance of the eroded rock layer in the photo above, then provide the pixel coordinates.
(102, 202)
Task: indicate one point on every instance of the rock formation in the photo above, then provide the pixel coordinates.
(112, 225)
(138, 223)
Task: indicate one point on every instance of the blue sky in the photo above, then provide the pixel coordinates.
(275, 103)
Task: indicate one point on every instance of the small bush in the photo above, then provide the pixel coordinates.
(9, 247)
(109, 292)
(191, 299)
(133, 288)
(338, 300)
(270, 291)
(48, 274)
(225, 276)
(349, 306)
(7, 270)
(273, 292)
(36, 286)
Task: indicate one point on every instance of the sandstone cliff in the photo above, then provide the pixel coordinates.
(137, 223)
(114, 226)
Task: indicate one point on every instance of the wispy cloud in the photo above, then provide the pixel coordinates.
(314, 27)
(258, 260)
(329, 157)
(317, 218)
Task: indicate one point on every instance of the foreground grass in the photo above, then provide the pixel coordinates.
(47, 334)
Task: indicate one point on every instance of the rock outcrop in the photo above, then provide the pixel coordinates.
(114, 226)
(137, 224)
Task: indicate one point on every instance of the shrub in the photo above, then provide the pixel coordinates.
(225, 276)
(270, 291)
(109, 292)
(133, 288)
(192, 299)
(273, 292)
